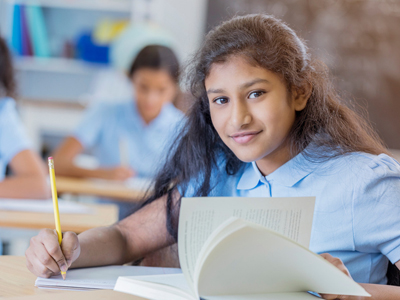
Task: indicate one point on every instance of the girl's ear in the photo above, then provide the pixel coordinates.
(301, 95)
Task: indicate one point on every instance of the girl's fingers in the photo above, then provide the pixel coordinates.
(49, 240)
(70, 247)
(43, 257)
(340, 265)
(36, 267)
(46, 259)
(37, 251)
(337, 262)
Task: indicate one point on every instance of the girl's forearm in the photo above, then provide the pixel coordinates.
(381, 292)
(101, 246)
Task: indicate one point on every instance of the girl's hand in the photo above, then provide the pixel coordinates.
(45, 257)
(338, 264)
(117, 173)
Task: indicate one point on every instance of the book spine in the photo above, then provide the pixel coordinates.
(16, 35)
(37, 30)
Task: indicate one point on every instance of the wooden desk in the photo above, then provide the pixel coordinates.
(104, 215)
(15, 278)
(17, 281)
(100, 188)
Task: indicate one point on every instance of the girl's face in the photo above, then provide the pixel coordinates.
(252, 112)
(152, 88)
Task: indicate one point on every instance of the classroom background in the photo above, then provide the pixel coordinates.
(67, 55)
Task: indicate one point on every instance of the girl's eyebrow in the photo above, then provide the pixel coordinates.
(250, 83)
(242, 87)
(215, 91)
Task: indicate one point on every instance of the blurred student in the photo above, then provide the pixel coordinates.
(138, 129)
(28, 173)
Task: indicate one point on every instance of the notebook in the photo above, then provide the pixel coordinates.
(98, 277)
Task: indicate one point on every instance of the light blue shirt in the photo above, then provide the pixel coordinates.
(106, 124)
(357, 210)
(13, 138)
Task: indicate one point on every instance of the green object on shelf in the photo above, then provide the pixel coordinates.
(37, 30)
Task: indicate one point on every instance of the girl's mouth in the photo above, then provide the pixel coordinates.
(245, 136)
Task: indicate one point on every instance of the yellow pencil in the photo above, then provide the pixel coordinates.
(55, 205)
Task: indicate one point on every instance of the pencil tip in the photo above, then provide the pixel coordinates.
(64, 275)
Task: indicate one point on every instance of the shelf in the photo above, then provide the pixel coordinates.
(100, 5)
(57, 65)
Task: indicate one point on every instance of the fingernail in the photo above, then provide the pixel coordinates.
(64, 268)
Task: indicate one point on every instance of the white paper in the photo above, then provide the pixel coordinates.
(99, 277)
(44, 206)
(199, 217)
(278, 296)
(157, 287)
(250, 259)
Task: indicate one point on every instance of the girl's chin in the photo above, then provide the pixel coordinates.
(246, 158)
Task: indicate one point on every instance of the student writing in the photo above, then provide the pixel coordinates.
(266, 122)
(144, 125)
(28, 174)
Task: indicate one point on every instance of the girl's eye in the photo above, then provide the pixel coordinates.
(221, 100)
(256, 94)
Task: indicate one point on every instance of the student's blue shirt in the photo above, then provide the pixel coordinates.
(106, 124)
(357, 211)
(13, 138)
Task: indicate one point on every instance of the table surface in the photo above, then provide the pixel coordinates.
(15, 278)
(17, 281)
(101, 188)
(103, 215)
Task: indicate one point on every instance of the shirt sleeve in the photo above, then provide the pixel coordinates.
(89, 130)
(376, 208)
(13, 138)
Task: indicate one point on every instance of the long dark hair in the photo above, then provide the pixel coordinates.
(7, 82)
(328, 125)
(156, 57)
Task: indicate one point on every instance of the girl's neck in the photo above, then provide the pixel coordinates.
(274, 160)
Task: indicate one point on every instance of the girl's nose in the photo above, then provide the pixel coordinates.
(240, 114)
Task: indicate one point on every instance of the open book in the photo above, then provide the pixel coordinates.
(244, 248)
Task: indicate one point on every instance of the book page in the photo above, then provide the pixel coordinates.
(98, 277)
(199, 217)
(272, 296)
(250, 259)
(155, 287)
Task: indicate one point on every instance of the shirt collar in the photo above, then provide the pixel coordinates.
(250, 177)
(288, 174)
